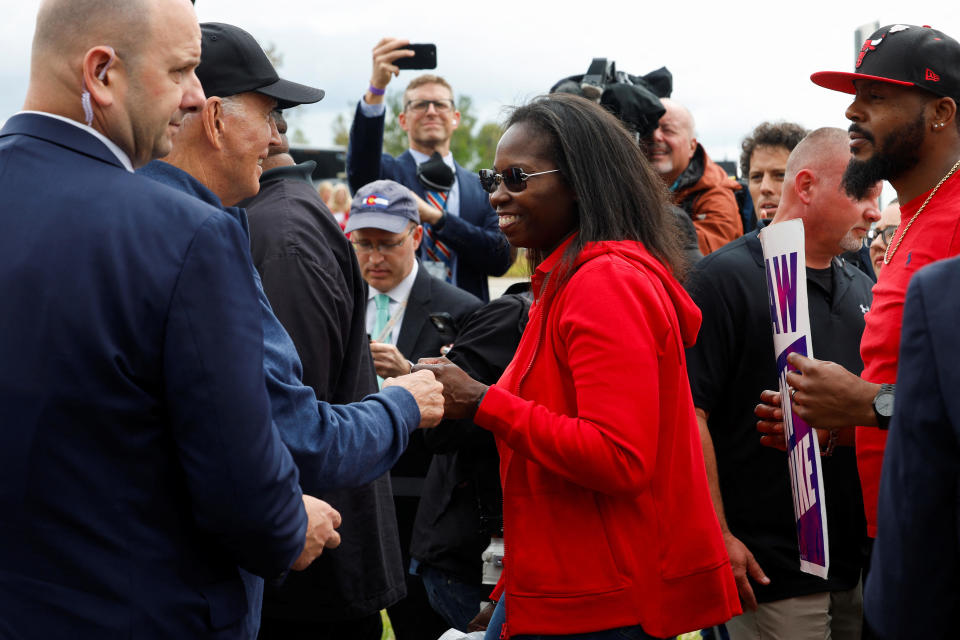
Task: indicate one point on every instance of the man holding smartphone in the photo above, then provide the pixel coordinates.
(463, 243)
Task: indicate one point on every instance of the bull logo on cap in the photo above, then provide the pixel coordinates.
(868, 46)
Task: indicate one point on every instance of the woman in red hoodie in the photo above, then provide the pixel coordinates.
(608, 526)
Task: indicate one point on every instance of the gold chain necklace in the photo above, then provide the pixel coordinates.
(888, 254)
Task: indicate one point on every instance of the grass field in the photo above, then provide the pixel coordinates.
(387, 627)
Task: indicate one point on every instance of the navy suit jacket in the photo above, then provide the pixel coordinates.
(418, 337)
(138, 463)
(474, 235)
(913, 587)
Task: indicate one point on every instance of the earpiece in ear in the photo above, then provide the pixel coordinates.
(85, 93)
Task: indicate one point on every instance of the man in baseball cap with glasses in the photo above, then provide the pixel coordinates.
(217, 157)
(905, 129)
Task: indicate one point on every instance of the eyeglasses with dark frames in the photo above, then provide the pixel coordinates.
(886, 234)
(383, 248)
(514, 178)
(421, 106)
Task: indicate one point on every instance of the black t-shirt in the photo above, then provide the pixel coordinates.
(731, 363)
(822, 278)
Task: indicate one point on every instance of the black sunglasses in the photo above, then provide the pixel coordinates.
(513, 178)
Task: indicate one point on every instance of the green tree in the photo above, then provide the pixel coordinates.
(341, 130)
(485, 144)
(394, 138)
(299, 137)
(461, 145)
(274, 55)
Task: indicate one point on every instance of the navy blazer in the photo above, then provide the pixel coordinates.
(913, 587)
(418, 337)
(474, 235)
(138, 463)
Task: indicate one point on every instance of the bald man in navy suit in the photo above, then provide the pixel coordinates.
(138, 463)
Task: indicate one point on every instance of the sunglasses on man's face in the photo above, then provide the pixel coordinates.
(514, 179)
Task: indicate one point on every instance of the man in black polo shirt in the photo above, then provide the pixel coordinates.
(734, 360)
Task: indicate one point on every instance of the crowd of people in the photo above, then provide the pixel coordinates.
(241, 405)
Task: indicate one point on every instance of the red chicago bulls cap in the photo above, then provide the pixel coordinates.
(903, 54)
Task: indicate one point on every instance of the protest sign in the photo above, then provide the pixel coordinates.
(785, 263)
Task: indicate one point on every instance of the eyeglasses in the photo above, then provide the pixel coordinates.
(383, 248)
(886, 234)
(421, 106)
(514, 178)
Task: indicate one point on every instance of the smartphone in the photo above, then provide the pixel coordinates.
(425, 57)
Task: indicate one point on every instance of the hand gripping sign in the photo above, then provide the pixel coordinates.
(785, 263)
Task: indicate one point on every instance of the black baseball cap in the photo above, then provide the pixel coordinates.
(232, 62)
(906, 55)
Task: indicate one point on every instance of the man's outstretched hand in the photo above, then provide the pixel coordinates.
(428, 393)
(461, 393)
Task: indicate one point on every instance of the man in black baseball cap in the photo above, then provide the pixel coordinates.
(232, 62)
(903, 55)
(218, 157)
(905, 129)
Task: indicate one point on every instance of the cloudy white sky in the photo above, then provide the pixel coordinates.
(734, 64)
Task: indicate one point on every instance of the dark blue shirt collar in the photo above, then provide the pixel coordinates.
(166, 173)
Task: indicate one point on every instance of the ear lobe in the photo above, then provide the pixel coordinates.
(804, 185)
(945, 110)
(95, 75)
(212, 118)
(402, 120)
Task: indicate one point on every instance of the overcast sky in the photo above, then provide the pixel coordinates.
(734, 64)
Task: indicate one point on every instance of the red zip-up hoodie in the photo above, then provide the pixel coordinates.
(607, 515)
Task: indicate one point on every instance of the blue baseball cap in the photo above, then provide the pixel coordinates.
(383, 204)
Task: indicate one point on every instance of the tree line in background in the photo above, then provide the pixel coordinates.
(473, 146)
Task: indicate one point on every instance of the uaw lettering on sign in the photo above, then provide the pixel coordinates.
(782, 292)
(785, 263)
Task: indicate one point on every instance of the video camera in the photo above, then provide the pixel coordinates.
(633, 99)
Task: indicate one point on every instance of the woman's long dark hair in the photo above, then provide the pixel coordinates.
(619, 196)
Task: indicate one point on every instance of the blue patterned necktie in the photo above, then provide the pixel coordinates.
(433, 247)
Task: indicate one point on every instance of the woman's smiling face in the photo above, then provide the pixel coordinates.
(545, 211)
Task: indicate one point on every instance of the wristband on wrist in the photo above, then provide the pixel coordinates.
(377, 92)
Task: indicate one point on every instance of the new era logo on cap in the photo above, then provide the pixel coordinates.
(904, 55)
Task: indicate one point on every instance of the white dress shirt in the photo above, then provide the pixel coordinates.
(117, 151)
(398, 296)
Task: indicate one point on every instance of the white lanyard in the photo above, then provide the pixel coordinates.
(391, 322)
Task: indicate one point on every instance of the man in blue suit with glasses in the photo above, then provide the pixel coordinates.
(462, 241)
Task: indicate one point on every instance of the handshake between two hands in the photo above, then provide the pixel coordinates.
(441, 389)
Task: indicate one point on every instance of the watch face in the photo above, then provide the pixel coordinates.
(884, 403)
